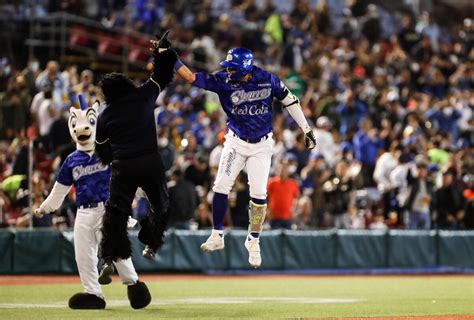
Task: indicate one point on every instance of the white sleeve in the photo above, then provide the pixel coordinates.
(55, 198)
(296, 113)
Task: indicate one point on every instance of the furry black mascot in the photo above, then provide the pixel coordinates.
(126, 138)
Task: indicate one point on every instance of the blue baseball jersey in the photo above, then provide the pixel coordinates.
(89, 176)
(248, 104)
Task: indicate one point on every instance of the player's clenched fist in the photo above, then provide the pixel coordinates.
(310, 140)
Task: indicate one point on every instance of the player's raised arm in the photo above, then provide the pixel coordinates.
(184, 72)
(292, 104)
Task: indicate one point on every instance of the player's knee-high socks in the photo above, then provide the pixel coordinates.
(260, 202)
(219, 208)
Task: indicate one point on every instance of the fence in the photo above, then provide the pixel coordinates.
(51, 251)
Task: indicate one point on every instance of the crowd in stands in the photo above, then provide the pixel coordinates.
(391, 101)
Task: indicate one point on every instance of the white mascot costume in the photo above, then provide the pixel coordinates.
(91, 181)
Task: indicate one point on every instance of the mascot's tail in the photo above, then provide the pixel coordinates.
(115, 243)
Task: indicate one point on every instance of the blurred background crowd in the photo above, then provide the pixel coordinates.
(389, 93)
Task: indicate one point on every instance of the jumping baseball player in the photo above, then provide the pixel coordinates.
(246, 93)
(91, 181)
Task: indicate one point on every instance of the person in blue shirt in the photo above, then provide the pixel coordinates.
(246, 93)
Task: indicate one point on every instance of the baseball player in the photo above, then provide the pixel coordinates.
(246, 93)
(91, 182)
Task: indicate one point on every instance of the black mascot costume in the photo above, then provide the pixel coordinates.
(126, 138)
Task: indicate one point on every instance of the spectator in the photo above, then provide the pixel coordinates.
(420, 198)
(385, 164)
(314, 176)
(86, 87)
(366, 146)
(449, 203)
(52, 77)
(337, 190)
(282, 193)
(183, 201)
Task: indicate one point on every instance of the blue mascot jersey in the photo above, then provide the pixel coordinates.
(89, 176)
(248, 104)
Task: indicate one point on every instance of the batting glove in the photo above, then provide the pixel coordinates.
(310, 140)
(40, 212)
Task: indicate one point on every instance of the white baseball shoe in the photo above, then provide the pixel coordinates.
(214, 242)
(253, 247)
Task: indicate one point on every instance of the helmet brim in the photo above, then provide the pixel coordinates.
(228, 64)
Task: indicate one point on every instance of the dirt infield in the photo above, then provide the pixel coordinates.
(58, 279)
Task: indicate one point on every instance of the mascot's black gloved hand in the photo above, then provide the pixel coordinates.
(310, 140)
(164, 58)
(163, 43)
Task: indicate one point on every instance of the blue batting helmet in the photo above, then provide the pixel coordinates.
(240, 59)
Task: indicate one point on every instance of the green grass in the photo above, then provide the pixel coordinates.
(380, 296)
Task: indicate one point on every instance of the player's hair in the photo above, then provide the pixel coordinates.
(116, 85)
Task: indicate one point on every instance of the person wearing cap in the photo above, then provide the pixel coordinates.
(419, 202)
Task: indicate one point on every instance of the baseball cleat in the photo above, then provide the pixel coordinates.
(253, 247)
(105, 276)
(214, 242)
(148, 253)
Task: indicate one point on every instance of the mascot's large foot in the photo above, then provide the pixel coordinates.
(84, 300)
(105, 276)
(138, 295)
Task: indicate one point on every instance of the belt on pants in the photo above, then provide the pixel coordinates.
(265, 137)
(90, 205)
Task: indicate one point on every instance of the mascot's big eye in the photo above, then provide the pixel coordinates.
(92, 121)
(73, 123)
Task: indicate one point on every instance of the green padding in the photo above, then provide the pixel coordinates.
(68, 258)
(188, 256)
(163, 259)
(456, 248)
(271, 246)
(37, 251)
(361, 249)
(309, 249)
(6, 251)
(411, 248)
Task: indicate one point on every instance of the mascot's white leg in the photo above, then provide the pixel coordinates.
(126, 271)
(86, 245)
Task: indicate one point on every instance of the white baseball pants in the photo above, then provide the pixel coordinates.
(255, 157)
(87, 236)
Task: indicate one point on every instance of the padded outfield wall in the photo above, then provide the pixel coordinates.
(324, 251)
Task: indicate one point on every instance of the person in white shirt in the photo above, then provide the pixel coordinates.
(326, 144)
(385, 164)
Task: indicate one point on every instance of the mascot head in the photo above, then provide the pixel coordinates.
(83, 123)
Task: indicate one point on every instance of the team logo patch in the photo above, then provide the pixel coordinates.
(229, 57)
(242, 96)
